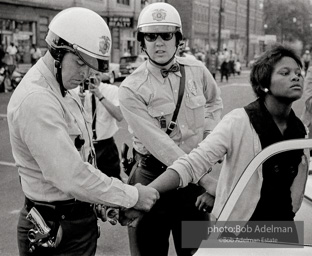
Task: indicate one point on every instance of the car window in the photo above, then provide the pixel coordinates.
(130, 59)
(254, 164)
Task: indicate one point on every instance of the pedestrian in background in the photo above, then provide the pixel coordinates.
(51, 141)
(12, 51)
(102, 105)
(20, 54)
(232, 61)
(224, 65)
(148, 100)
(225, 70)
(274, 192)
(211, 62)
(237, 67)
(35, 54)
(306, 58)
(181, 48)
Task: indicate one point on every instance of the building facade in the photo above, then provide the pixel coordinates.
(201, 19)
(26, 22)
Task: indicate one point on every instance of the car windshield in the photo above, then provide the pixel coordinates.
(131, 59)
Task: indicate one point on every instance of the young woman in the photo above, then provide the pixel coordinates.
(275, 191)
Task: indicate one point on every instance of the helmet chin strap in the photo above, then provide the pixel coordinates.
(59, 79)
(161, 64)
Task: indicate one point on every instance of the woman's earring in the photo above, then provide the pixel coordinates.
(266, 90)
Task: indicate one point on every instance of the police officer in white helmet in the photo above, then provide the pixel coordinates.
(170, 103)
(52, 144)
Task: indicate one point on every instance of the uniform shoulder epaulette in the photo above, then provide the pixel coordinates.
(137, 78)
(189, 61)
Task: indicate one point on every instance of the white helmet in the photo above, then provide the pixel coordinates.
(82, 32)
(159, 17)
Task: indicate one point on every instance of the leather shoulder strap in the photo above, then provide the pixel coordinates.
(173, 123)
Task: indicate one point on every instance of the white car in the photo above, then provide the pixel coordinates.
(212, 245)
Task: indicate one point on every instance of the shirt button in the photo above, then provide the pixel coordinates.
(276, 169)
(182, 125)
(161, 113)
(182, 142)
(175, 91)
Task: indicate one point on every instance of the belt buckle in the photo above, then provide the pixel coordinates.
(171, 125)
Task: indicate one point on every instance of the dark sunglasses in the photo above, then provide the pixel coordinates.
(151, 37)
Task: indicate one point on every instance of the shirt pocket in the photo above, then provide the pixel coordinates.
(159, 112)
(75, 134)
(195, 111)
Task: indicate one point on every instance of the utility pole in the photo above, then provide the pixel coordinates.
(220, 23)
(236, 12)
(247, 32)
(209, 25)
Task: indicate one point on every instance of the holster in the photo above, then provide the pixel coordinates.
(127, 163)
(52, 214)
(150, 162)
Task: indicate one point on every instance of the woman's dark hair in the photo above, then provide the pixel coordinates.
(262, 69)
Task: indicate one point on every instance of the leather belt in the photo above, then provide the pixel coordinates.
(108, 140)
(60, 210)
(149, 162)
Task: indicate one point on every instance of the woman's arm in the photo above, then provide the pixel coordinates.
(167, 181)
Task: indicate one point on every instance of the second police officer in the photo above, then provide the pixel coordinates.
(163, 128)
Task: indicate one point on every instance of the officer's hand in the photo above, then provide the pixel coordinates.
(147, 197)
(95, 90)
(205, 202)
(101, 212)
(130, 217)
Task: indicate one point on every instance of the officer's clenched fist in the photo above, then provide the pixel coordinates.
(147, 197)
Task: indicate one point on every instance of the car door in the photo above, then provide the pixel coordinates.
(216, 246)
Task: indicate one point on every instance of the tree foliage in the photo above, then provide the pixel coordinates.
(289, 20)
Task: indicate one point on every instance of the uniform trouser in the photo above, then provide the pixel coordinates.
(151, 236)
(107, 157)
(79, 236)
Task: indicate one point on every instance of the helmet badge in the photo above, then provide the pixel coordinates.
(159, 14)
(104, 44)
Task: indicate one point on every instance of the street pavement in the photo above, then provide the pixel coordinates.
(113, 241)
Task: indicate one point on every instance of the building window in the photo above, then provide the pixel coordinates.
(6, 24)
(23, 26)
(125, 2)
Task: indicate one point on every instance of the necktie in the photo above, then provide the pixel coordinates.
(93, 116)
(174, 68)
